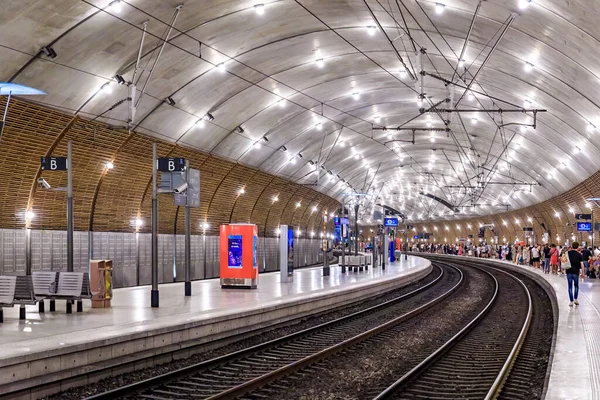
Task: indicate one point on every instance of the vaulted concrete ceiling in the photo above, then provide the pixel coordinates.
(321, 78)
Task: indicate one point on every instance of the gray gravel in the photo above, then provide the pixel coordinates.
(364, 371)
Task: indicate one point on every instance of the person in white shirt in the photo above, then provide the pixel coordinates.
(535, 257)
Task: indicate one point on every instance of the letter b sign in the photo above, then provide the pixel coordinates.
(170, 164)
(54, 163)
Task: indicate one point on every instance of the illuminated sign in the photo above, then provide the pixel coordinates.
(584, 226)
(390, 222)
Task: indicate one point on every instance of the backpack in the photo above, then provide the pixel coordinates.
(565, 263)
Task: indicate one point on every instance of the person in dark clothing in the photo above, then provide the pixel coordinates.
(586, 254)
(546, 252)
(576, 261)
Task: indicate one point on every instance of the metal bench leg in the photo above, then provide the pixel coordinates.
(52, 305)
(360, 268)
(343, 269)
(22, 312)
(366, 267)
(1, 315)
(79, 306)
(41, 306)
(69, 307)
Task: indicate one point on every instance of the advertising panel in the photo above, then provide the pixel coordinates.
(234, 251)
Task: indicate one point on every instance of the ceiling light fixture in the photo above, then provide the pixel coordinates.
(319, 126)
(120, 80)
(356, 96)
(371, 30)
(110, 165)
(48, 51)
(523, 4)
(259, 8)
(470, 96)
(29, 215)
(221, 67)
(107, 89)
(474, 120)
(115, 6)
(591, 127)
(461, 63)
(320, 63)
(439, 8)
(528, 67)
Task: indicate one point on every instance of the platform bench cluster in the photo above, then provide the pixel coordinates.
(358, 263)
(44, 285)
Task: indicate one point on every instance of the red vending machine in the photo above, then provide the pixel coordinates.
(238, 256)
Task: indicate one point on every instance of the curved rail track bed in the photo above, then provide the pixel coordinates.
(475, 331)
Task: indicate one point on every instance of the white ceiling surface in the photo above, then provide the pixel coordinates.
(273, 55)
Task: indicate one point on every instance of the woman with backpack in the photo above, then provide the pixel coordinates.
(572, 263)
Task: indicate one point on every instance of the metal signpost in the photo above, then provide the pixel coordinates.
(184, 182)
(154, 244)
(60, 164)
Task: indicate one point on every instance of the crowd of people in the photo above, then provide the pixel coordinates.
(575, 261)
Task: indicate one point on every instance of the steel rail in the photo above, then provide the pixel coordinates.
(496, 387)
(172, 376)
(303, 363)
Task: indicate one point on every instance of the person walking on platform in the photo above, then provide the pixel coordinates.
(554, 258)
(587, 257)
(572, 262)
(546, 252)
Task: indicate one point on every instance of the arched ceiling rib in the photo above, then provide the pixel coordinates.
(272, 56)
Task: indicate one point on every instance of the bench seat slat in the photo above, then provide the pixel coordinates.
(7, 290)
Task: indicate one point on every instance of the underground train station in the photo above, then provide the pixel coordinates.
(300, 199)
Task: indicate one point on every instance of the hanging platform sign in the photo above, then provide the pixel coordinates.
(54, 163)
(165, 164)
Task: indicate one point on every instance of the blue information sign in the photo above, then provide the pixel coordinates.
(234, 254)
(390, 222)
(584, 226)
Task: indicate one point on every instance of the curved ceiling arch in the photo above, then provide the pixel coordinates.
(265, 52)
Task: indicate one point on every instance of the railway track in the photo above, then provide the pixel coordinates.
(241, 372)
(477, 360)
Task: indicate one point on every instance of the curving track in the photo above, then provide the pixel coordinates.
(246, 370)
(479, 359)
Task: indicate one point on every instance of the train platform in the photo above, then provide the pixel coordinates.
(575, 373)
(82, 348)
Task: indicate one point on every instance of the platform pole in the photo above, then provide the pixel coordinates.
(154, 296)
(70, 206)
(69, 307)
(41, 307)
(22, 316)
(52, 305)
(188, 241)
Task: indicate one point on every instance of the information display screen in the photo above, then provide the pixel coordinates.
(234, 251)
(390, 222)
(290, 250)
(254, 239)
(584, 226)
(344, 221)
(336, 221)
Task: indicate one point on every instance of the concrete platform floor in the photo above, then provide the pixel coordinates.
(131, 312)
